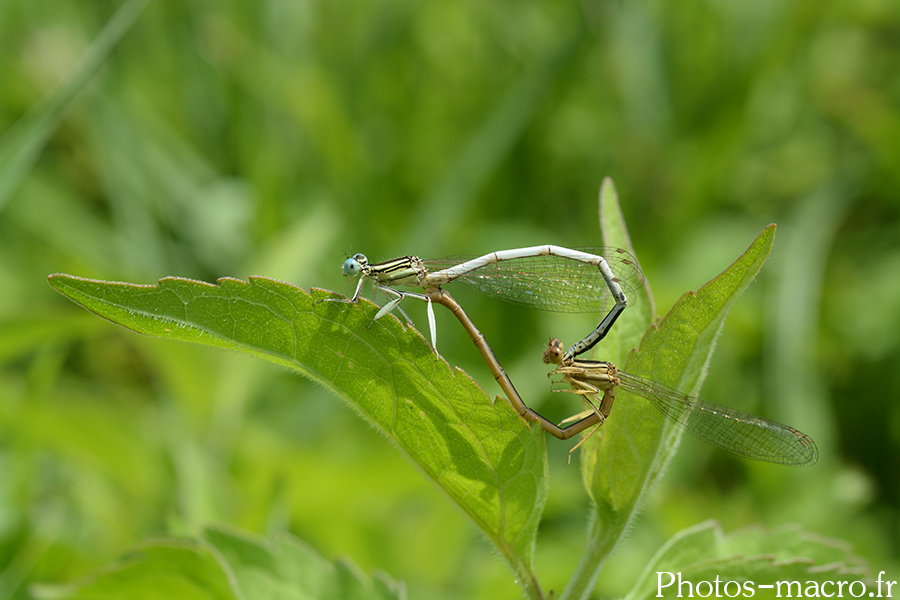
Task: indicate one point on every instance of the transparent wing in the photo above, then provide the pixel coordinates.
(551, 282)
(742, 433)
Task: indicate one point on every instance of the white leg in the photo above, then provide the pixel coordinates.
(432, 325)
(358, 291)
(387, 308)
(395, 303)
(354, 299)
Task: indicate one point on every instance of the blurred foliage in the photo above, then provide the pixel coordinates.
(232, 138)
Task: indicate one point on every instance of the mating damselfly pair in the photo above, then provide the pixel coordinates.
(565, 280)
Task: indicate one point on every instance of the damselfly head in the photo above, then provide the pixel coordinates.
(355, 264)
(554, 352)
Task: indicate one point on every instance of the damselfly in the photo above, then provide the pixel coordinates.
(547, 277)
(727, 428)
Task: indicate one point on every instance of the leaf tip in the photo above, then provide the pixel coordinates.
(57, 280)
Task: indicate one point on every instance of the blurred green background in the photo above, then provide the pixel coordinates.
(272, 138)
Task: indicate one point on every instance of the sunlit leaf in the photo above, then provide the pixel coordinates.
(481, 454)
(623, 462)
(632, 453)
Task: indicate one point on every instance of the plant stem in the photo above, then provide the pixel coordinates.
(602, 539)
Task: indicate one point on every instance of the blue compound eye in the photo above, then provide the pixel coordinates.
(352, 266)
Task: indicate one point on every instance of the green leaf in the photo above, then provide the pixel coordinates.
(226, 565)
(623, 462)
(288, 568)
(181, 569)
(633, 322)
(490, 463)
(633, 452)
(756, 556)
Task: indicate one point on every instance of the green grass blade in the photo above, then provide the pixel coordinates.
(482, 455)
(22, 144)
